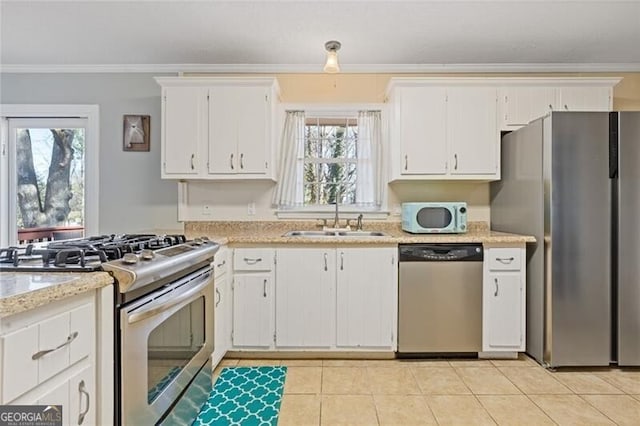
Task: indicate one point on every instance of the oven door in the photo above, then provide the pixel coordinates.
(166, 338)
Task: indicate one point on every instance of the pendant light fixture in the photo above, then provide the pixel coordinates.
(332, 66)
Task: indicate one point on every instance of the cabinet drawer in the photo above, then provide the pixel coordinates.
(220, 262)
(504, 259)
(19, 370)
(252, 259)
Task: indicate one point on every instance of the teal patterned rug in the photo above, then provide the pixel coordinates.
(247, 396)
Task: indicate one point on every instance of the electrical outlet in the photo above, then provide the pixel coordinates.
(206, 210)
(251, 208)
(397, 210)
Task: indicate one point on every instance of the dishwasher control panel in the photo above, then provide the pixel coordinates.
(440, 252)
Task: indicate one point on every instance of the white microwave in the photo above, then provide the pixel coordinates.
(433, 218)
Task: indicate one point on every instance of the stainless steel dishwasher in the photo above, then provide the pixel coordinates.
(440, 298)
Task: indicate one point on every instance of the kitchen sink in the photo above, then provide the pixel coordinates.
(322, 234)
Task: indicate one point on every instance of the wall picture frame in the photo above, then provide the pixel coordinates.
(136, 132)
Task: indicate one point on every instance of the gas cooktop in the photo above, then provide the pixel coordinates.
(85, 254)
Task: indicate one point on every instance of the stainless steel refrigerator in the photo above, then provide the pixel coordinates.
(572, 179)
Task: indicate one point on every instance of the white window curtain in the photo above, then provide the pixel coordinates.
(289, 190)
(369, 187)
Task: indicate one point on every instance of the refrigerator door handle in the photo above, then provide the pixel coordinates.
(613, 145)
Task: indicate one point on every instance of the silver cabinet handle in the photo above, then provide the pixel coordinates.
(325, 262)
(231, 161)
(193, 166)
(70, 339)
(264, 288)
(83, 390)
(495, 280)
(242, 161)
(455, 166)
(221, 264)
(342, 261)
(250, 261)
(219, 297)
(406, 162)
(505, 260)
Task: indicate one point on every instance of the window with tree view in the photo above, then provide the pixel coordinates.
(330, 160)
(49, 179)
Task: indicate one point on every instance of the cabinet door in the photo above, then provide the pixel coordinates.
(253, 124)
(503, 311)
(252, 310)
(58, 396)
(305, 297)
(422, 130)
(584, 99)
(472, 130)
(366, 297)
(184, 132)
(223, 130)
(82, 398)
(525, 104)
(221, 323)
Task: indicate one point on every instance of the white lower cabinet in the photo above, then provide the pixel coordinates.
(336, 298)
(366, 302)
(223, 305)
(503, 307)
(252, 310)
(305, 295)
(49, 356)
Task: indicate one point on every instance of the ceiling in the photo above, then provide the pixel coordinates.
(289, 36)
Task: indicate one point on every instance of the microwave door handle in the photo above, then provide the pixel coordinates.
(455, 220)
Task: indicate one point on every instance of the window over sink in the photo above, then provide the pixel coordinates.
(328, 157)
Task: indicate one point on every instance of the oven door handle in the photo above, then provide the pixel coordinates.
(155, 308)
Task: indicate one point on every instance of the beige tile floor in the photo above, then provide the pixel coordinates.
(452, 392)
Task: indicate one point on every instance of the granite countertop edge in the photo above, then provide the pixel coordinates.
(77, 283)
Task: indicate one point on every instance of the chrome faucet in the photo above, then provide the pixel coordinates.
(336, 219)
(359, 223)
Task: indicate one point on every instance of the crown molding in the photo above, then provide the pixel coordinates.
(317, 68)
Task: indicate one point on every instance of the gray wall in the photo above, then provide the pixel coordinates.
(133, 198)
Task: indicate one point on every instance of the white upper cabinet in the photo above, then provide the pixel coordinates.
(443, 129)
(240, 130)
(472, 131)
(522, 104)
(523, 100)
(218, 127)
(580, 98)
(421, 130)
(184, 131)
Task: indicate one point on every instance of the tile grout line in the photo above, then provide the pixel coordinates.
(424, 397)
(597, 409)
(541, 409)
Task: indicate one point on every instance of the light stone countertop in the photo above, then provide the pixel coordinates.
(22, 291)
(267, 232)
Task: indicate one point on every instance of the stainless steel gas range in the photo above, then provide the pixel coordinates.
(163, 311)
